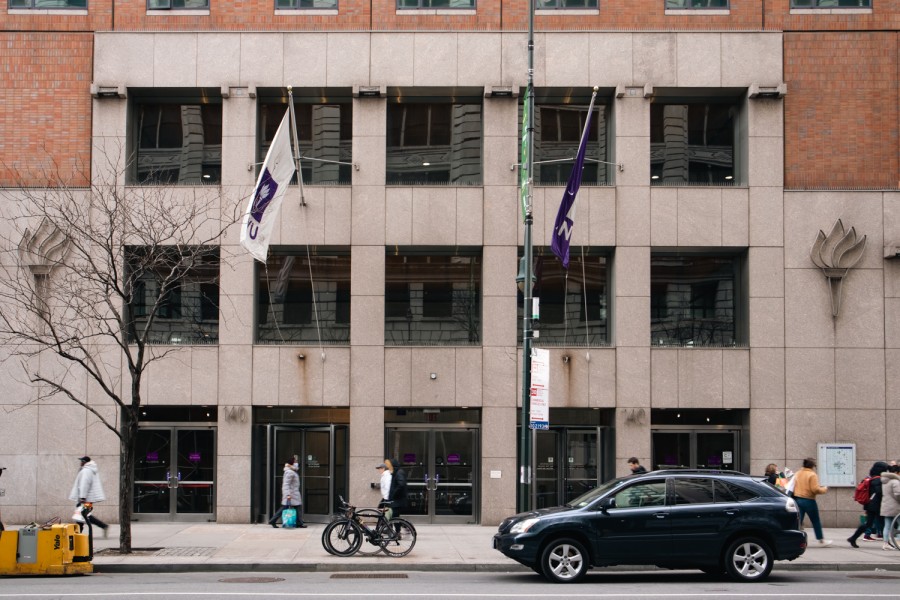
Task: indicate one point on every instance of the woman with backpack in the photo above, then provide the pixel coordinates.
(873, 504)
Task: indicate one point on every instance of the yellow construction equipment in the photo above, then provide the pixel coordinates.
(49, 549)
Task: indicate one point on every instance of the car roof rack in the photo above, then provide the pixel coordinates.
(697, 472)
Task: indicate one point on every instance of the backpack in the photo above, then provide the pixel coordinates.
(861, 494)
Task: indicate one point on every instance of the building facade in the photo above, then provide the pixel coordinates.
(693, 328)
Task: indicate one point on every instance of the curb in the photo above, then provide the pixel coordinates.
(436, 567)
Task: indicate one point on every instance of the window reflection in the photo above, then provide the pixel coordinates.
(693, 143)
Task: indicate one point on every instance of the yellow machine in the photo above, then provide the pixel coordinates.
(46, 550)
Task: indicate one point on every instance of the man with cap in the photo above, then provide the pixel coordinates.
(87, 488)
(385, 485)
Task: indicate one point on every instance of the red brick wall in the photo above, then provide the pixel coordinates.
(45, 108)
(97, 19)
(885, 15)
(841, 110)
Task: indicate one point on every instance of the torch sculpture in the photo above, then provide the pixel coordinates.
(836, 253)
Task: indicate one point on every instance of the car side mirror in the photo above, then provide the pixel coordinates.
(607, 503)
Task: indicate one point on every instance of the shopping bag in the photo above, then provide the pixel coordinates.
(289, 517)
(76, 516)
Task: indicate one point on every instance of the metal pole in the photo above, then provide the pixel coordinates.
(524, 495)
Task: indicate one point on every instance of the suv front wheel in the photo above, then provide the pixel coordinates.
(564, 561)
(748, 559)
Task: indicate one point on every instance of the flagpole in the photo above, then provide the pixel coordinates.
(524, 495)
(296, 138)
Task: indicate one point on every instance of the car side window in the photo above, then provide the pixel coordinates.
(646, 493)
(693, 491)
(729, 492)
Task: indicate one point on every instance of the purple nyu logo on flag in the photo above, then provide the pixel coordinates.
(262, 196)
(565, 218)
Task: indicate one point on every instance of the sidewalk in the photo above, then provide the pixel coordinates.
(180, 547)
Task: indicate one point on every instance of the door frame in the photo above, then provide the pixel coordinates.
(430, 428)
(560, 457)
(692, 430)
(173, 515)
(273, 462)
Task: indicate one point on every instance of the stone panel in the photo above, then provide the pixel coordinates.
(866, 429)
(861, 321)
(700, 378)
(439, 390)
(633, 377)
(367, 271)
(469, 217)
(265, 375)
(479, 59)
(500, 376)
(235, 375)
(338, 215)
(632, 323)
(602, 377)
(367, 318)
(699, 217)
(766, 216)
(664, 378)
(468, 377)
(804, 429)
(766, 322)
(348, 59)
(736, 378)
(601, 215)
(699, 73)
(751, 58)
(767, 437)
(809, 377)
(654, 59)
(498, 325)
(767, 381)
(393, 58)
(664, 216)
(434, 216)
(633, 216)
(859, 378)
(175, 60)
(766, 266)
(262, 58)
(298, 71)
(436, 59)
(337, 374)
(611, 59)
(397, 385)
(367, 382)
(807, 309)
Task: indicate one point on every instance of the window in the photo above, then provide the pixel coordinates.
(650, 493)
(177, 290)
(434, 140)
(47, 4)
(696, 4)
(831, 3)
(563, 4)
(324, 129)
(300, 297)
(572, 304)
(708, 491)
(694, 142)
(177, 4)
(449, 4)
(432, 297)
(302, 4)
(177, 140)
(697, 300)
(559, 118)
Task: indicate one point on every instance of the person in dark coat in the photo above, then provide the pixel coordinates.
(635, 465)
(873, 506)
(397, 493)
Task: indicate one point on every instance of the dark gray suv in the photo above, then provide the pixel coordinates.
(716, 521)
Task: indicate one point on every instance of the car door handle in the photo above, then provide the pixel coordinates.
(731, 513)
(661, 515)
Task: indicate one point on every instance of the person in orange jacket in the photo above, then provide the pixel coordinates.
(806, 489)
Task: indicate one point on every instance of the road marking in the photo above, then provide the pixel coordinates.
(447, 595)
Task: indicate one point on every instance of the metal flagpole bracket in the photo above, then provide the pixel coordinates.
(619, 166)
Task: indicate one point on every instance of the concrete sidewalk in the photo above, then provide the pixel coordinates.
(178, 547)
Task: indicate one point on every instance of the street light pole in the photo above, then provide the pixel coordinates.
(524, 495)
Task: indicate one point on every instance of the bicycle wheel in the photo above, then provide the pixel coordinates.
(398, 537)
(342, 538)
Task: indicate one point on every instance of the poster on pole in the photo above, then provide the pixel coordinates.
(540, 389)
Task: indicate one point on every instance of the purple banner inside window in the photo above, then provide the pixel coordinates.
(194, 457)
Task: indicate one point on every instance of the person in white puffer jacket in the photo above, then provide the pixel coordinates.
(890, 501)
(87, 488)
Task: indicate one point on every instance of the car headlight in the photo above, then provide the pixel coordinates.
(523, 526)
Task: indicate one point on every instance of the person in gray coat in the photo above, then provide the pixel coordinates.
(890, 501)
(87, 488)
(290, 493)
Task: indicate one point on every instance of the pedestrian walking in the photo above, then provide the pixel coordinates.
(806, 489)
(384, 485)
(397, 491)
(290, 493)
(873, 506)
(88, 488)
(890, 502)
(635, 465)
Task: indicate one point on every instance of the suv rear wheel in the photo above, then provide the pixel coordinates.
(748, 559)
(564, 561)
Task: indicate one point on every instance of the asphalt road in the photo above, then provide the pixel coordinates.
(656, 584)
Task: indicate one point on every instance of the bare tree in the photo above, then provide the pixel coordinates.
(87, 274)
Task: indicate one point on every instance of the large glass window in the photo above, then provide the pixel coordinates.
(297, 4)
(696, 4)
(694, 142)
(47, 4)
(831, 3)
(434, 139)
(432, 297)
(324, 129)
(559, 119)
(178, 140)
(697, 300)
(572, 303)
(564, 4)
(177, 4)
(304, 299)
(177, 290)
(401, 4)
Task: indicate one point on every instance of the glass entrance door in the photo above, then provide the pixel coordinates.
(565, 464)
(322, 456)
(697, 449)
(441, 471)
(174, 473)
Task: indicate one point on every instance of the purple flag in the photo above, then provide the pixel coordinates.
(565, 218)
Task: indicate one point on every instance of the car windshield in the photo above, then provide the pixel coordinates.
(591, 495)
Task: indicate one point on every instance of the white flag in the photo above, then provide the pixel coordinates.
(264, 204)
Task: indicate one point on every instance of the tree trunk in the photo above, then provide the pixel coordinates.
(129, 428)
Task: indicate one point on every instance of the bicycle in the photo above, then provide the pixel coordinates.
(894, 533)
(345, 535)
